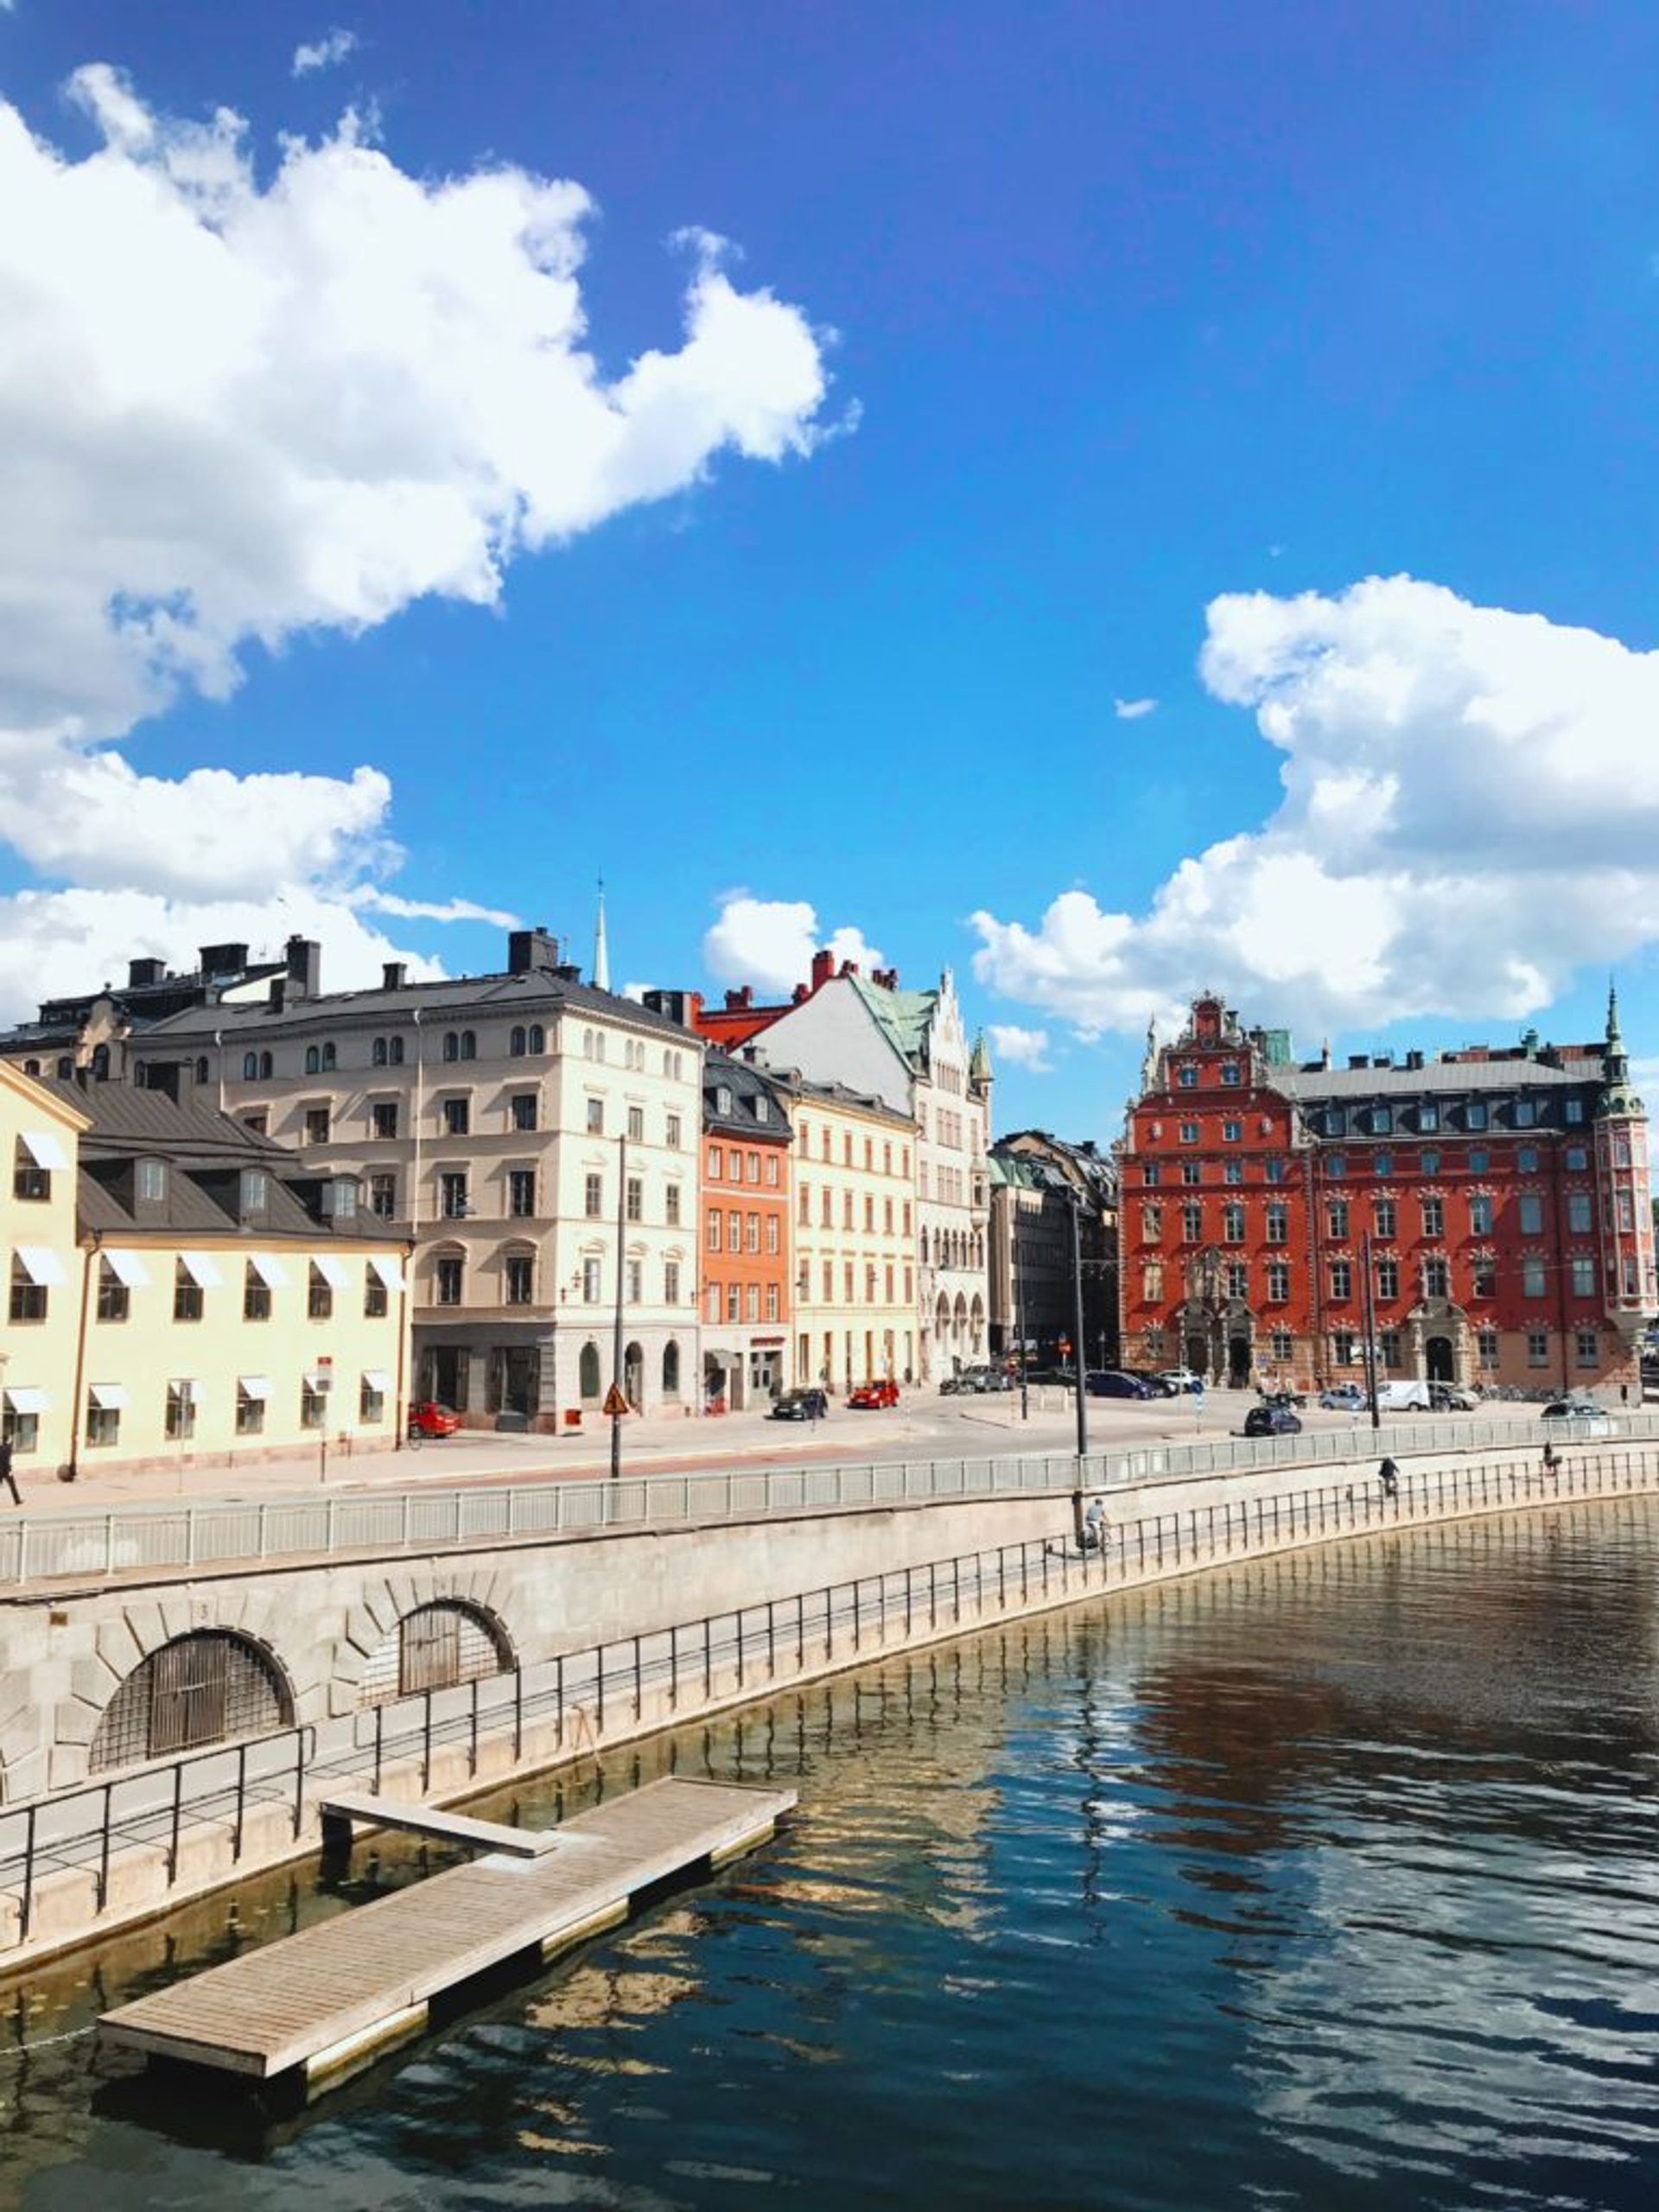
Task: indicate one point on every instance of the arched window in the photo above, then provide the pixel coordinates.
(201, 1688)
(923, 1248)
(670, 1369)
(587, 1375)
(66, 1070)
(31, 1067)
(537, 1038)
(201, 1070)
(515, 1044)
(312, 1059)
(469, 1045)
(100, 1064)
(395, 1052)
(249, 1066)
(327, 1056)
(378, 1053)
(266, 1065)
(434, 1648)
(451, 1046)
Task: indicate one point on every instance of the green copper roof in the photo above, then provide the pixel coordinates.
(1618, 1092)
(903, 1016)
(979, 1067)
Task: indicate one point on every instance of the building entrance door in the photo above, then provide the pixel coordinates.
(1239, 1361)
(1439, 1360)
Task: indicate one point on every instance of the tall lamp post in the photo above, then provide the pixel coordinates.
(616, 1400)
(1077, 1340)
(1368, 1321)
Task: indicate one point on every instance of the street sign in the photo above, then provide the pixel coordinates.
(615, 1403)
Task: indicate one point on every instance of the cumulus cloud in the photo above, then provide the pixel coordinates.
(771, 942)
(1133, 710)
(1471, 810)
(331, 47)
(235, 410)
(1024, 1048)
(370, 899)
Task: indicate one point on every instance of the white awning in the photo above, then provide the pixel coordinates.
(331, 1270)
(185, 1389)
(24, 1398)
(254, 1386)
(40, 1264)
(388, 1270)
(43, 1148)
(109, 1397)
(319, 1378)
(377, 1379)
(270, 1270)
(126, 1267)
(201, 1271)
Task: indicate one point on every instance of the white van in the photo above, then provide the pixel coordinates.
(1402, 1397)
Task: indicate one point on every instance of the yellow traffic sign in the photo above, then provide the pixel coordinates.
(615, 1401)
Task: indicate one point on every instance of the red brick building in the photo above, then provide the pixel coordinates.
(1501, 1196)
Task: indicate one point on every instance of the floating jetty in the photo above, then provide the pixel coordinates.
(313, 2008)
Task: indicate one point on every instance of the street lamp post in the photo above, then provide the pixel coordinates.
(616, 1339)
(1368, 1320)
(1078, 1340)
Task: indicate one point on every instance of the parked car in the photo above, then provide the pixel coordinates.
(1446, 1398)
(982, 1377)
(954, 1386)
(1110, 1383)
(871, 1394)
(1183, 1378)
(1066, 1376)
(1272, 1421)
(1158, 1386)
(1579, 1411)
(801, 1405)
(1343, 1398)
(1402, 1397)
(428, 1418)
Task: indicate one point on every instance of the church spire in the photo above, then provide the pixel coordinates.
(602, 958)
(1617, 1095)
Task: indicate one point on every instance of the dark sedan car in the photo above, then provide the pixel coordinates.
(1110, 1383)
(1271, 1420)
(801, 1405)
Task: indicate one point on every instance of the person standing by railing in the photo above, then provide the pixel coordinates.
(6, 1475)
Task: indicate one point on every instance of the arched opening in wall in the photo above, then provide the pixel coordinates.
(588, 1373)
(1440, 1360)
(670, 1369)
(435, 1647)
(976, 1325)
(205, 1687)
(633, 1375)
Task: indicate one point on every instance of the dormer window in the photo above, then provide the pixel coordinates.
(723, 1101)
(1229, 1072)
(151, 1183)
(1187, 1076)
(340, 1197)
(1382, 1120)
(256, 1190)
(762, 1107)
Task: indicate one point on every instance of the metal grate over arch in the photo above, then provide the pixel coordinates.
(201, 1688)
(434, 1648)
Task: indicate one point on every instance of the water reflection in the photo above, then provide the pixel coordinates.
(1321, 1882)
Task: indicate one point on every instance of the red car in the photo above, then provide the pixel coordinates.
(428, 1418)
(869, 1394)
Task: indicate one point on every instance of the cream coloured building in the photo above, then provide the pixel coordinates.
(534, 1136)
(39, 1132)
(854, 1235)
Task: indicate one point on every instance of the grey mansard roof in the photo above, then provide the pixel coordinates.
(1436, 1078)
(454, 999)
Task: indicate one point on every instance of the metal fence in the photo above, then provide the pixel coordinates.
(603, 1692)
(167, 1536)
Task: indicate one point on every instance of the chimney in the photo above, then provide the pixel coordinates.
(1414, 1059)
(140, 972)
(683, 1007)
(394, 974)
(224, 959)
(278, 993)
(849, 967)
(304, 959)
(823, 967)
(736, 1002)
(1359, 1059)
(799, 995)
(530, 952)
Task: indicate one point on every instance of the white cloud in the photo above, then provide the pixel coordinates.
(1133, 710)
(371, 899)
(232, 412)
(771, 942)
(332, 46)
(1471, 810)
(1024, 1048)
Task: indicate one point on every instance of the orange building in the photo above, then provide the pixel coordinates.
(746, 1237)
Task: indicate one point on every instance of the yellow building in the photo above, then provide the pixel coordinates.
(219, 1306)
(855, 1242)
(39, 1131)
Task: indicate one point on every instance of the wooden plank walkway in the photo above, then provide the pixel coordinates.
(335, 1995)
(350, 1807)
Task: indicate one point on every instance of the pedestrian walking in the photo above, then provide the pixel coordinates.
(6, 1475)
(1388, 1475)
(1552, 1462)
(1094, 1526)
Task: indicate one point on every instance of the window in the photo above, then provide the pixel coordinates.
(1336, 1165)
(1436, 1278)
(469, 1045)
(522, 1113)
(1232, 1171)
(1342, 1281)
(453, 1201)
(1238, 1279)
(735, 1230)
(251, 1405)
(1149, 1174)
(1274, 1170)
(104, 1416)
(1383, 1217)
(328, 1063)
(1579, 1212)
(314, 1402)
(1485, 1278)
(319, 1294)
(1480, 1214)
(1537, 1348)
(382, 1196)
(592, 1278)
(1231, 1132)
(1382, 1163)
(448, 1276)
(715, 1219)
(1277, 1283)
(1152, 1282)
(1278, 1223)
(1588, 1348)
(1434, 1218)
(394, 1054)
(1526, 1114)
(773, 1308)
(1573, 1109)
(1336, 1121)
(1578, 1159)
(187, 1293)
(1583, 1278)
(596, 1118)
(519, 1279)
(179, 1423)
(457, 1115)
(1189, 1133)
(636, 1125)
(521, 1193)
(340, 1197)
(593, 1199)
(371, 1401)
(1336, 1215)
(114, 1299)
(516, 1042)
(1232, 1220)
(1474, 1115)
(313, 1060)
(1486, 1340)
(31, 1178)
(1192, 1171)
(1526, 1159)
(316, 1125)
(1430, 1163)
(1229, 1072)
(671, 1205)
(1532, 1278)
(1282, 1343)
(1187, 1076)
(251, 1065)
(382, 1118)
(671, 1133)
(376, 1299)
(634, 1199)
(671, 1282)
(1531, 1208)
(1341, 1345)
(1387, 1277)
(1191, 1222)
(711, 1300)
(1152, 1224)
(257, 1122)
(255, 1295)
(1428, 1117)
(1382, 1120)
(735, 1299)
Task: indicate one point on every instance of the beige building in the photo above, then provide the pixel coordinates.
(534, 1136)
(855, 1236)
(39, 1132)
(211, 1304)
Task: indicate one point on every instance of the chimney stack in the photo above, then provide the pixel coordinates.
(823, 967)
(394, 974)
(140, 972)
(532, 951)
(304, 959)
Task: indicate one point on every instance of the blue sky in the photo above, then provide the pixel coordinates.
(1068, 359)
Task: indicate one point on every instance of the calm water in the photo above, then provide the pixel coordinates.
(1327, 1881)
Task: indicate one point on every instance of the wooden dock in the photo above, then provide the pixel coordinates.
(349, 1808)
(323, 2003)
